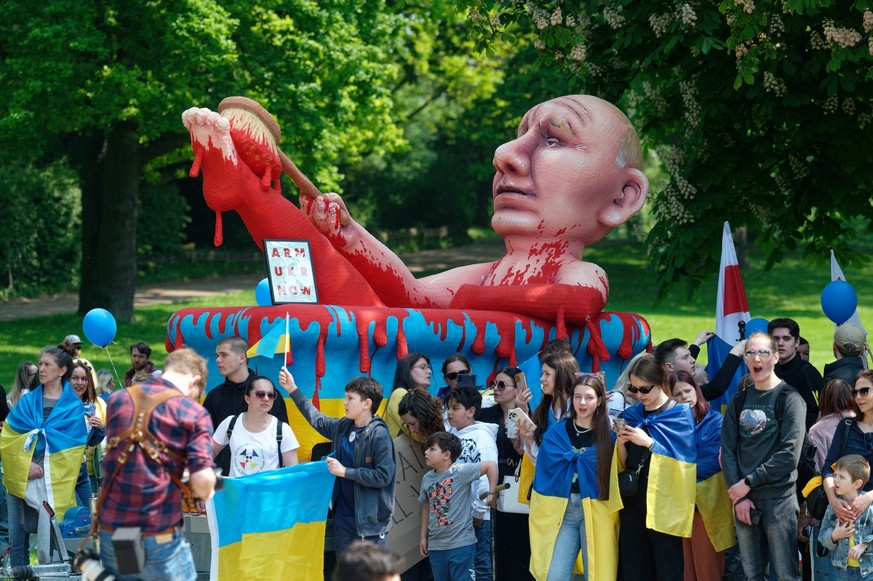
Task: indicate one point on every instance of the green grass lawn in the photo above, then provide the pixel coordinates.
(792, 288)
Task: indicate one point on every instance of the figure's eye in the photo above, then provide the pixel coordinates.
(552, 142)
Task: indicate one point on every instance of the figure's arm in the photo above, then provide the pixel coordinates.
(320, 422)
(729, 440)
(725, 373)
(382, 268)
(384, 468)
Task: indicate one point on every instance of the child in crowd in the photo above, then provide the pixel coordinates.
(848, 542)
(478, 444)
(363, 461)
(447, 535)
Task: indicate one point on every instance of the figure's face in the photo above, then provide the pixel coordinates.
(79, 380)
(421, 373)
(559, 176)
(458, 416)
(685, 393)
(785, 343)
(863, 394)
(228, 361)
(434, 456)
(684, 361)
(803, 351)
(355, 407)
(454, 369)
(843, 482)
(647, 399)
(547, 380)
(137, 359)
(49, 370)
(412, 424)
(585, 401)
(261, 397)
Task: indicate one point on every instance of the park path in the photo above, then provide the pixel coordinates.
(170, 292)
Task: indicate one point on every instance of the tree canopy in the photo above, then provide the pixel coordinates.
(761, 112)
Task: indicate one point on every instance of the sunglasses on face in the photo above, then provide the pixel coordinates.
(642, 390)
(499, 385)
(762, 353)
(863, 391)
(453, 375)
(266, 394)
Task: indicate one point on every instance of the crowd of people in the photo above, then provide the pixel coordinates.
(661, 486)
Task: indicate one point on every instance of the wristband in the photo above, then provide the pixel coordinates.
(747, 481)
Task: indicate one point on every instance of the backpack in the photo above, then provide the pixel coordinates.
(806, 465)
(278, 436)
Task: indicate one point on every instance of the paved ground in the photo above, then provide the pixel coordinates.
(169, 292)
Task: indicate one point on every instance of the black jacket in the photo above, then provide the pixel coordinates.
(846, 369)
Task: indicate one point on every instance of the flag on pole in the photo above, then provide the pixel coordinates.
(731, 307)
(837, 274)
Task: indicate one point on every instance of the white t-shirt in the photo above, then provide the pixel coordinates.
(250, 452)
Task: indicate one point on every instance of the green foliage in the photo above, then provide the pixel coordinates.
(760, 111)
(161, 219)
(39, 240)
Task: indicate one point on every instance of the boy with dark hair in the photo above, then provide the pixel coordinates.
(848, 541)
(365, 561)
(447, 535)
(792, 369)
(478, 444)
(363, 462)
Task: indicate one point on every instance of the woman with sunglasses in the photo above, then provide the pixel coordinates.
(253, 436)
(657, 440)
(413, 372)
(856, 438)
(836, 407)
(453, 366)
(511, 540)
(712, 532)
(83, 380)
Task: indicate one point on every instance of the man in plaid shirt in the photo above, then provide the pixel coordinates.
(143, 493)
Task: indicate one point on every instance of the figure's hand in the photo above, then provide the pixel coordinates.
(526, 430)
(843, 510)
(422, 547)
(738, 491)
(286, 380)
(856, 551)
(491, 500)
(704, 336)
(35, 471)
(743, 509)
(335, 468)
(860, 503)
(329, 214)
(522, 399)
(843, 530)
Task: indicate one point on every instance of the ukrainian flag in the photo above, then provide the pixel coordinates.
(557, 462)
(271, 525)
(670, 494)
(61, 436)
(712, 499)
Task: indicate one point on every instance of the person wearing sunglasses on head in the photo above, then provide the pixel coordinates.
(656, 443)
(855, 438)
(257, 440)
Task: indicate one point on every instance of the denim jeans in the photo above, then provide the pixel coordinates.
(169, 561)
(4, 518)
(482, 560)
(774, 539)
(453, 564)
(83, 488)
(571, 539)
(343, 537)
(19, 540)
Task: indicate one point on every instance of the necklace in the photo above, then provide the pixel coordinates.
(580, 431)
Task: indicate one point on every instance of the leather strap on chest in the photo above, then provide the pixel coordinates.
(138, 434)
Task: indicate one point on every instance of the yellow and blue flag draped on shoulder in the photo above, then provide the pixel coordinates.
(61, 437)
(670, 494)
(557, 462)
(712, 499)
(271, 525)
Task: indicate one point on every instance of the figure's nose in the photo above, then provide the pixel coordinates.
(513, 157)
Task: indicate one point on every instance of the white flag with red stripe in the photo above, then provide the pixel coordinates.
(731, 306)
(837, 274)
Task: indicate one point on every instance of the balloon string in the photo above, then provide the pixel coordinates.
(118, 382)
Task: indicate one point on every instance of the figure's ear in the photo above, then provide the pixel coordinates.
(627, 202)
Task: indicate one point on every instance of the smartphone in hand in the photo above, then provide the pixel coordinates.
(520, 381)
(516, 415)
(619, 424)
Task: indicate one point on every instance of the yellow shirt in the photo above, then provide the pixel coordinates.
(852, 562)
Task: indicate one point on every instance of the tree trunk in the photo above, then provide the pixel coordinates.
(741, 243)
(110, 168)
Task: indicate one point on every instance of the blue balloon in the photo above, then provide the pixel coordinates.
(839, 301)
(99, 327)
(262, 294)
(756, 325)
